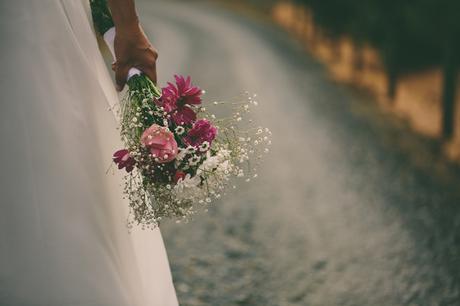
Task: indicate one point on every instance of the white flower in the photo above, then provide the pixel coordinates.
(190, 149)
(219, 162)
(180, 156)
(179, 130)
(225, 168)
(204, 146)
(187, 188)
(194, 160)
(188, 181)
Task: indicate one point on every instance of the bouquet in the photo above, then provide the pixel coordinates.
(178, 157)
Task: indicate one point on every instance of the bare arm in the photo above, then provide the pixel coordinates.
(132, 47)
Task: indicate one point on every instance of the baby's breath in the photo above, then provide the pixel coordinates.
(199, 175)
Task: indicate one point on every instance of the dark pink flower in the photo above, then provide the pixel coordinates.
(124, 160)
(177, 99)
(180, 175)
(201, 131)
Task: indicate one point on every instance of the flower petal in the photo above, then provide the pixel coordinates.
(184, 115)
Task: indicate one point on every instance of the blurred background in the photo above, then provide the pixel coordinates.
(358, 202)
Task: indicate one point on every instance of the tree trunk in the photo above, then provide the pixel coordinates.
(450, 73)
(393, 68)
(392, 83)
(358, 57)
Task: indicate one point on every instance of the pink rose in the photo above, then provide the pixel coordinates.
(161, 143)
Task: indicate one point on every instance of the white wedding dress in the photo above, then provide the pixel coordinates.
(63, 234)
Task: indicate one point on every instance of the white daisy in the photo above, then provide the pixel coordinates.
(204, 146)
(194, 160)
(190, 149)
(179, 130)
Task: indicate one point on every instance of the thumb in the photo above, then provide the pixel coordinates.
(151, 72)
(121, 74)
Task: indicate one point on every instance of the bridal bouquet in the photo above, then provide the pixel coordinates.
(179, 157)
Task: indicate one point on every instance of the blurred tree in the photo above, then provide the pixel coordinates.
(410, 35)
(447, 21)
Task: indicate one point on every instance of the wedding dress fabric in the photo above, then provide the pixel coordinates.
(63, 234)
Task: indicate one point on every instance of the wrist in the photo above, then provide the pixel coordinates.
(124, 14)
(127, 25)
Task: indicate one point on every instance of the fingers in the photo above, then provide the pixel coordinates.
(151, 72)
(146, 64)
(121, 73)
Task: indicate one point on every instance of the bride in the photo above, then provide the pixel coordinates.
(63, 237)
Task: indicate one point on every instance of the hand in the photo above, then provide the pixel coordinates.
(133, 49)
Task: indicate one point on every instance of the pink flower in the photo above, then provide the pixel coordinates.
(124, 160)
(201, 131)
(161, 143)
(177, 99)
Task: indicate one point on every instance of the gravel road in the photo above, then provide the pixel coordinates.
(339, 215)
